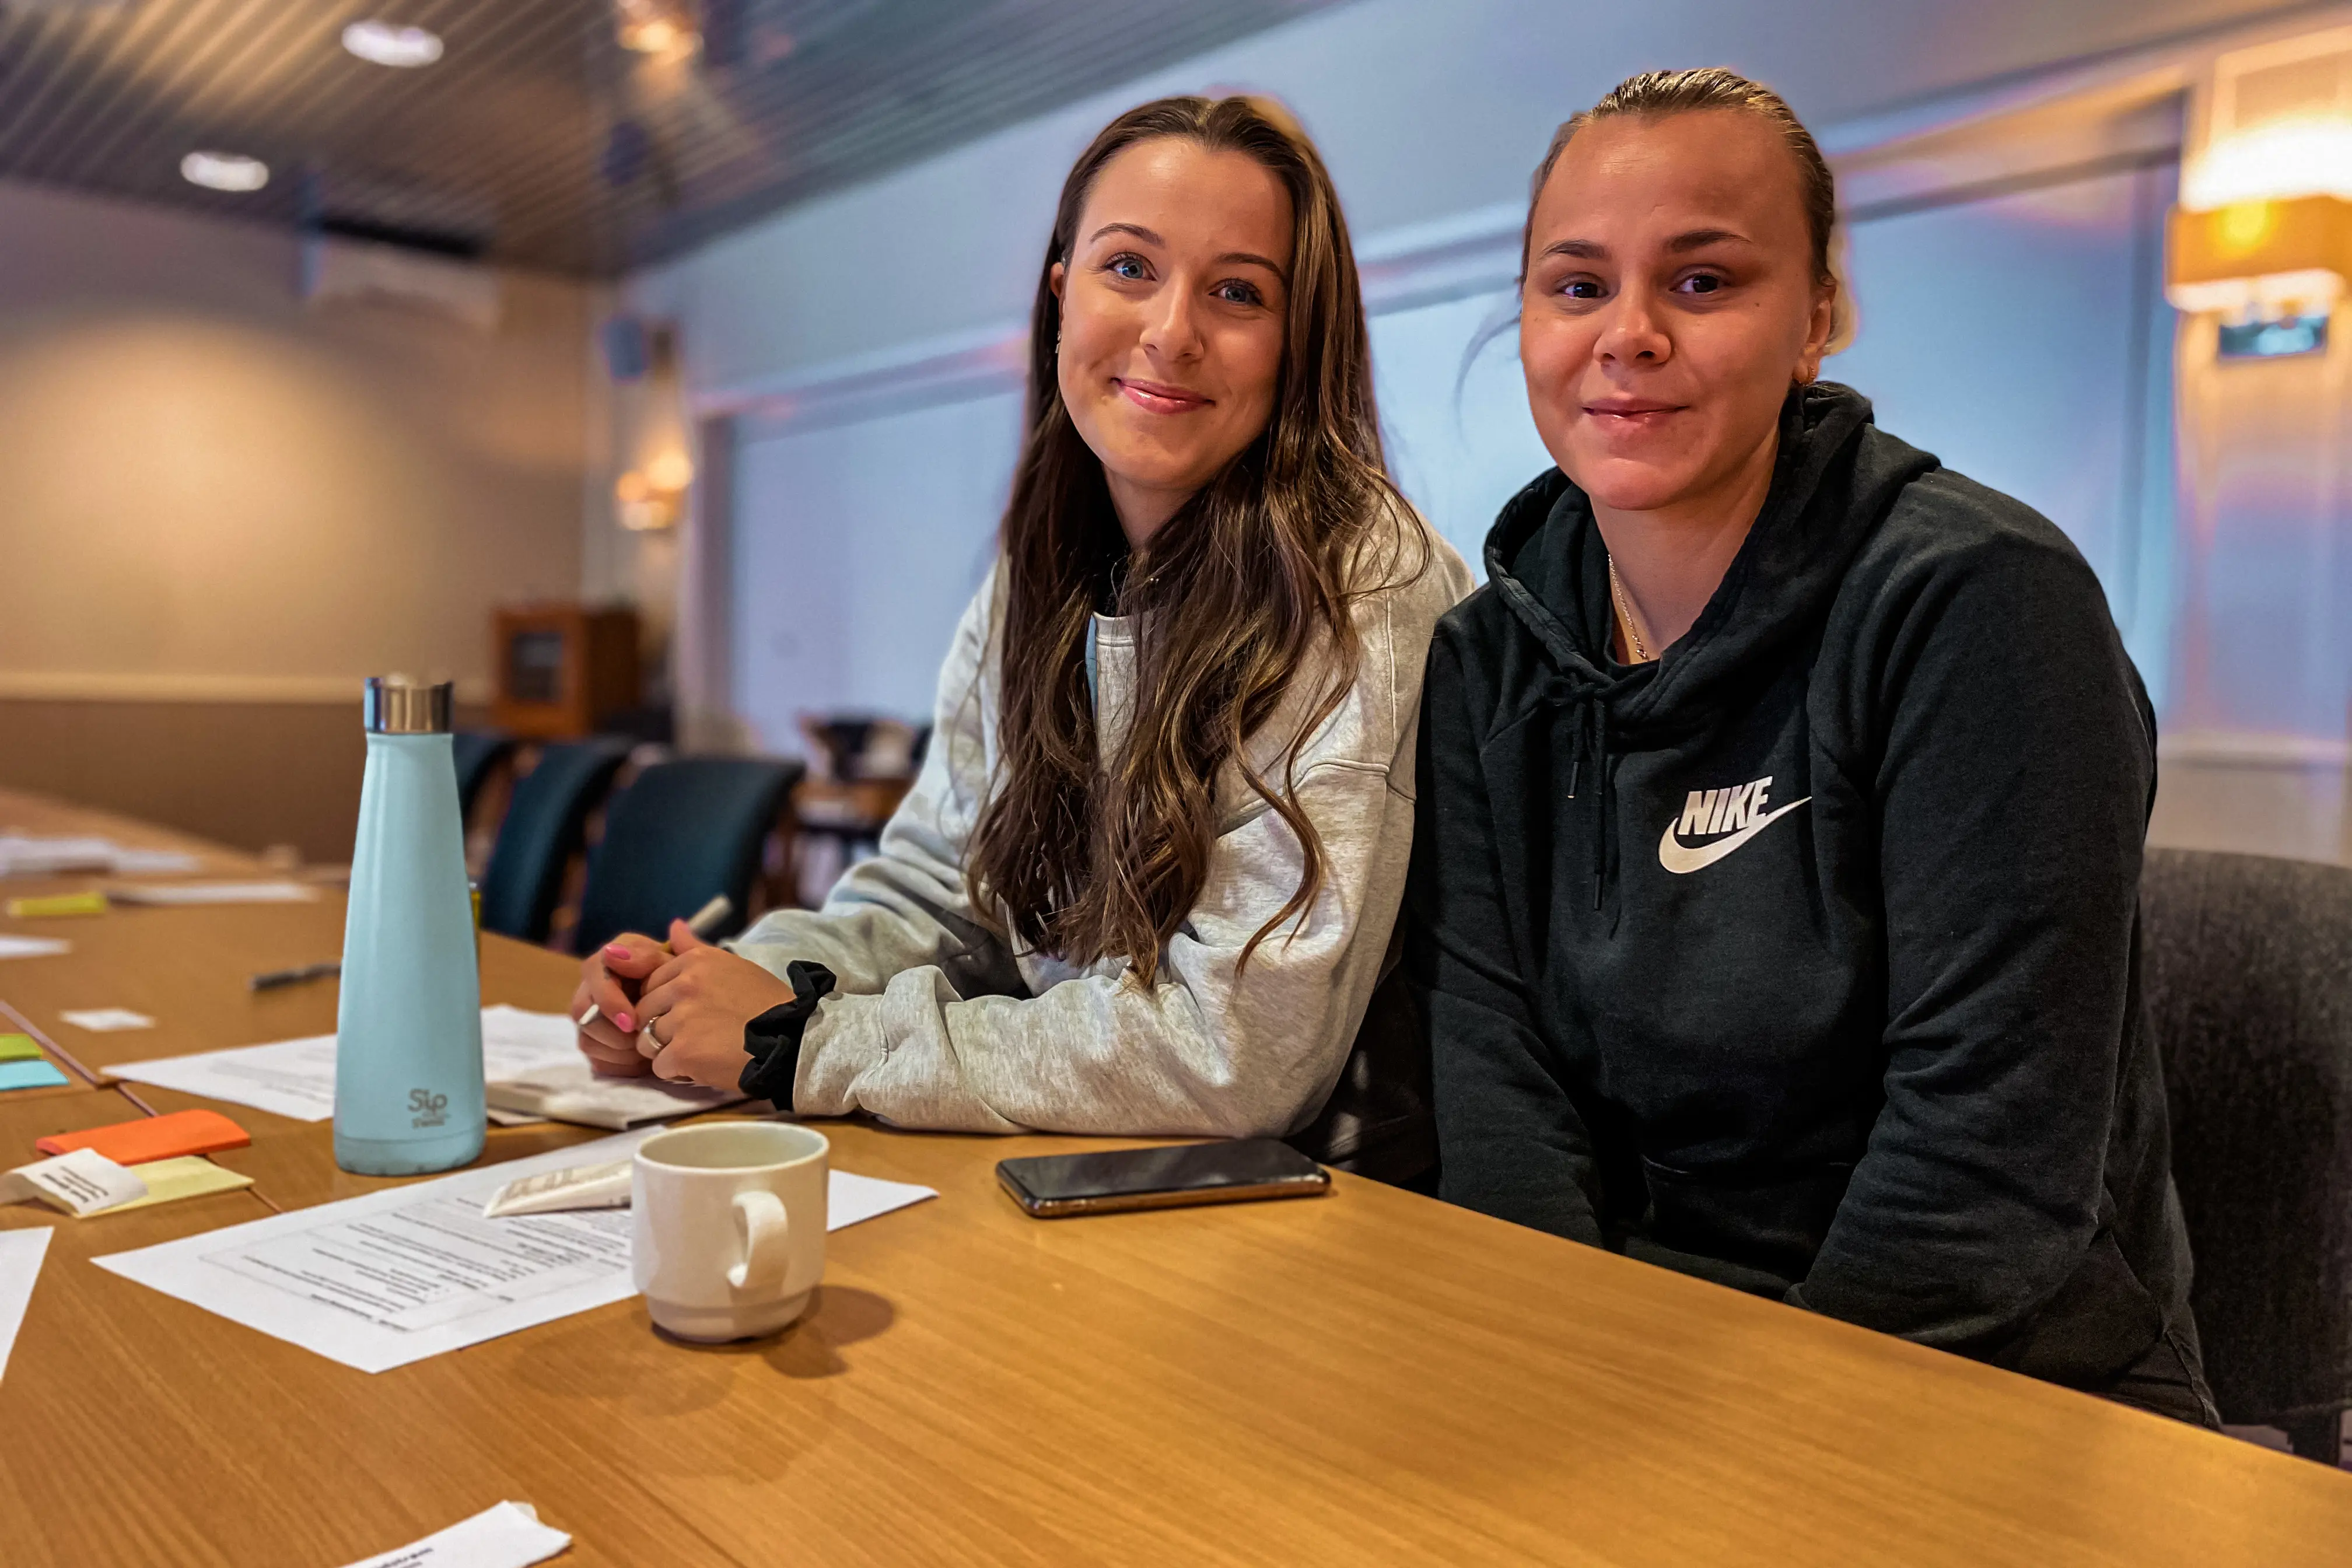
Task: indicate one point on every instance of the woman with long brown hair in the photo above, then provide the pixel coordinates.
(1147, 879)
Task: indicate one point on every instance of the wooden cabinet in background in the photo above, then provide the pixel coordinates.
(562, 668)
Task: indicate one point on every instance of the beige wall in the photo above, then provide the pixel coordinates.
(2253, 796)
(210, 492)
(631, 424)
(2261, 687)
(250, 773)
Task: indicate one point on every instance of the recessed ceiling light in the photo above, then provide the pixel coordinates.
(225, 171)
(390, 44)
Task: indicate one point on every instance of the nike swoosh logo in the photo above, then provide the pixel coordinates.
(1681, 860)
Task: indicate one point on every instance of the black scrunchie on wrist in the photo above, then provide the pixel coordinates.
(773, 1038)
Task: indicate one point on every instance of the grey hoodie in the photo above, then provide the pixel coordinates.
(936, 1021)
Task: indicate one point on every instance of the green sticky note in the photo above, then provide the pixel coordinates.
(30, 1075)
(18, 1048)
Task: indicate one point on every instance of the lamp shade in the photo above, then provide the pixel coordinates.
(2270, 255)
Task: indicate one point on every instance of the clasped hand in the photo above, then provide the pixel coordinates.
(675, 1009)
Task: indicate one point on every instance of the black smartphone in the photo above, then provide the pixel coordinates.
(1233, 1171)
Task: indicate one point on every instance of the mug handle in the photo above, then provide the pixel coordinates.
(759, 1216)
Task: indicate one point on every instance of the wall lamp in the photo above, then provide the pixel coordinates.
(664, 27)
(2261, 256)
(653, 498)
(2262, 236)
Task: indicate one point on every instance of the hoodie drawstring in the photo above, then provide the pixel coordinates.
(1592, 745)
(1600, 813)
(1574, 682)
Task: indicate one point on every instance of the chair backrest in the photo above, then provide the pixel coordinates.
(545, 823)
(682, 834)
(2248, 971)
(851, 746)
(1381, 1119)
(477, 753)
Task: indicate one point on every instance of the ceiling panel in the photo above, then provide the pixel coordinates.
(537, 137)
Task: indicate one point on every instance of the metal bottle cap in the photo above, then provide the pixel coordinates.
(395, 706)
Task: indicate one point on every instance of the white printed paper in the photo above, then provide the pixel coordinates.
(506, 1536)
(106, 1020)
(604, 1186)
(851, 1200)
(531, 1060)
(296, 1079)
(571, 1090)
(405, 1273)
(20, 1264)
(151, 862)
(402, 1273)
(293, 1077)
(171, 893)
(33, 946)
(79, 1182)
(544, 1076)
(29, 855)
(26, 855)
(524, 1037)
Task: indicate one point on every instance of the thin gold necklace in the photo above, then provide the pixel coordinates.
(1623, 602)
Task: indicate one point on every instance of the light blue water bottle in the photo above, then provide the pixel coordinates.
(408, 1032)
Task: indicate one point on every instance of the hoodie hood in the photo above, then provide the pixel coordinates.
(1834, 480)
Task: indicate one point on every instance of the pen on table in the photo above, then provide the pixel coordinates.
(275, 978)
(705, 920)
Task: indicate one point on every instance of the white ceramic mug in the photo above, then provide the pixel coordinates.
(727, 1229)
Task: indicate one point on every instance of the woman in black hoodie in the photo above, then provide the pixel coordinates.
(1774, 905)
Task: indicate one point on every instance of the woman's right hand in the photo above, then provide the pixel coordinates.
(609, 979)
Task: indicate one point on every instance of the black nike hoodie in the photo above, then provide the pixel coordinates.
(1806, 958)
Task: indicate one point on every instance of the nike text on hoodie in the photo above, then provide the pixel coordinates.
(1805, 960)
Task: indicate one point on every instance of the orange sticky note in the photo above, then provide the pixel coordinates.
(154, 1137)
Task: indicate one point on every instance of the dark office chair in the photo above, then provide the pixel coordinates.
(2247, 970)
(546, 822)
(1379, 1121)
(683, 833)
(478, 753)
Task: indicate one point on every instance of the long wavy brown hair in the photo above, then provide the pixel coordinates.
(1249, 583)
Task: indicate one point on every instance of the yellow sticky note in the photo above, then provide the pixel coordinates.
(189, 1176)
(56, 904)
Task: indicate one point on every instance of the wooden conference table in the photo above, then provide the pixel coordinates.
(1370, 1377)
